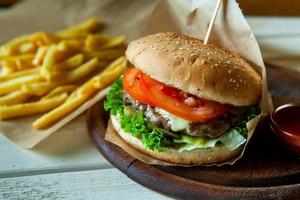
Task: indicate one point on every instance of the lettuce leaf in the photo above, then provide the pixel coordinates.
(232, 139)
(152, 137)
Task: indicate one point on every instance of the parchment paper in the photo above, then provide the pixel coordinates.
(230, 31)
(52, 15)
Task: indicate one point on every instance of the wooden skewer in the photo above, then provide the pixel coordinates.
(212, 20)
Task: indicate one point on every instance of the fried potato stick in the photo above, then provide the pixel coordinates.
(15, 84)
(59, 90)
(7, 112)
(59, 112)
(92, 25)
(13, 98)
(69, 63)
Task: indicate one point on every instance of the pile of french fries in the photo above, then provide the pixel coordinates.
(55, 73)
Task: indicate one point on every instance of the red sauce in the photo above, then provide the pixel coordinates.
(288, 119)
(285, 123)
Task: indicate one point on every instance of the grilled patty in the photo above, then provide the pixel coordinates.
(210, 129)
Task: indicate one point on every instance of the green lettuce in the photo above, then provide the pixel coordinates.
(152, 137)
(232, 139)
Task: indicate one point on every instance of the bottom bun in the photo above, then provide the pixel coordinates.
(172, 155)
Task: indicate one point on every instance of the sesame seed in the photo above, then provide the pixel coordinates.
(229, 71)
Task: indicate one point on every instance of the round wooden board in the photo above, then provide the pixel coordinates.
(266, 171)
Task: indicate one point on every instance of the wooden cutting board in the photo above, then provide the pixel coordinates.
(266, 171)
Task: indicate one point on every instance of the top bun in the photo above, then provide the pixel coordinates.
(205, 71)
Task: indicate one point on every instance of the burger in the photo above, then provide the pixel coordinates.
(184, 102)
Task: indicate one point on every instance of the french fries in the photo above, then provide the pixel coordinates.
(49, 61)
(112, 72)
(83, 93)
(42, 38)
(55, 73)
(94, 41)
(12, 47)
(15, 63)
(19, 110)
(39, 56)
(59, 112)
(80, 72)
(15, 84)
(38, 89)
(13, 98)
(90, 26)
(118, 41)
(70, 63)
(59, 90)
(19, 74)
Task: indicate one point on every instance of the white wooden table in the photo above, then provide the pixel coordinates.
(78, 171)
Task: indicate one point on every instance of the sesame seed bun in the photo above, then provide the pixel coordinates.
(205, 71)
(172, 155)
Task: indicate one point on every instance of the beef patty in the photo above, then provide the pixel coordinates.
(210, 129)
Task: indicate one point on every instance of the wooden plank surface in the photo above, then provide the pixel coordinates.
(66, 152)
(102, 184)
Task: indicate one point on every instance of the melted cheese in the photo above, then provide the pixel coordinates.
(177, 123)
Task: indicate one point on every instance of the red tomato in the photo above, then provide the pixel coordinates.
(180, 103)
(132, 85)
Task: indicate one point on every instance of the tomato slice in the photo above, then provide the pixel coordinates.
(175, 102)
(132, 85)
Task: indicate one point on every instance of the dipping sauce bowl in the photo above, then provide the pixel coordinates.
(285, 123)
